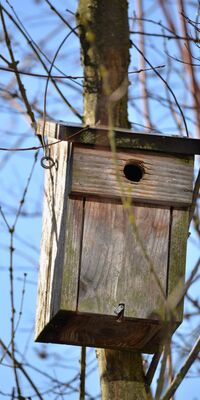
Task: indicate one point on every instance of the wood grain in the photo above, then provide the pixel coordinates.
(51, 128)
(167, 179)
(60, 243)
(177, 260)
(92, 256)
(72, 254)
(50, 233)
(98, 135)
(102, 331)
(113, 267)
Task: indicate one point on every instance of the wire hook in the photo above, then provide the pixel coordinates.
(47, 161)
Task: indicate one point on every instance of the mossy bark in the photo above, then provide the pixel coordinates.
(104, 37)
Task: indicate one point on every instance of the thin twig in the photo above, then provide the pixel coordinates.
(161, 378)
(31, 39)
(170, 368)
(143, 80)
(187, 53)
(47, 83)
(166, 83)
(25, 190)
(19, 317)
(61, 17)
(20, 367)
(11, 230)
(194, 197)
(183, 371)
(70, 77)
(47, 145)
(180, 290)
(126, 203)
(4, 218)
(162, 35)
(13, 65)
(30, 43)
(34, 75)
(152, 368)
(83, 372)
(12, 342)
(173, 110)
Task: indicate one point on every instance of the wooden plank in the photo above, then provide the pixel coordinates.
(50, 128)
(124, 138)
(167, 179)
(49, 231)
(72, 254)
(113, 266)
(177, 260)
(100, 331)
(59, 246)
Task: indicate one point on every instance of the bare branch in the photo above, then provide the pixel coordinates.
(169, 88)
(183, 371)
(194, 197)
(82, 374)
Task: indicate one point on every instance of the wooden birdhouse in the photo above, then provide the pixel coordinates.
(115, 227)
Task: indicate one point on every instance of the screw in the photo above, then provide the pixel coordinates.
(119, 311)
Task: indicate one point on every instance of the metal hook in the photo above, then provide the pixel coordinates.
(49, 160)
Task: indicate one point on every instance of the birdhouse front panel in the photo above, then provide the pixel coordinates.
(125, 247)
(118, 257)
(144, 176)
(113, 246)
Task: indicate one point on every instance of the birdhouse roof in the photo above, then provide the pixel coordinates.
(124, 138)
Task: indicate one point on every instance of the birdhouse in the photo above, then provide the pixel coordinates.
(114, 234)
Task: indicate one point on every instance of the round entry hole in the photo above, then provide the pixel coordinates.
(133, 172)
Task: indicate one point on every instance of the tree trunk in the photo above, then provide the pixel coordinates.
(104, 37)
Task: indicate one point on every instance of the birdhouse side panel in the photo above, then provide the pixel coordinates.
(54, 231)
(44, 288)
(124, 259)
(71, 255)
(177, 261)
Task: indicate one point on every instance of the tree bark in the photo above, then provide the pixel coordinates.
(121, 375)
(104, 37)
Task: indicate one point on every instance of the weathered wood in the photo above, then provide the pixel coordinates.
(52, 213)
(113, 267)
(166, 179)
(68, 287)
(97, 255)
(61, 241)
(177, 260)
(91, 261)
(49, 128)
(103, 331)
(104, 36)
(124, 138)
(117, 376)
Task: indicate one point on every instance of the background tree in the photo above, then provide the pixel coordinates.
(39, 78)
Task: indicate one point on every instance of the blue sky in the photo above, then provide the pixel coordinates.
(62, 361)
